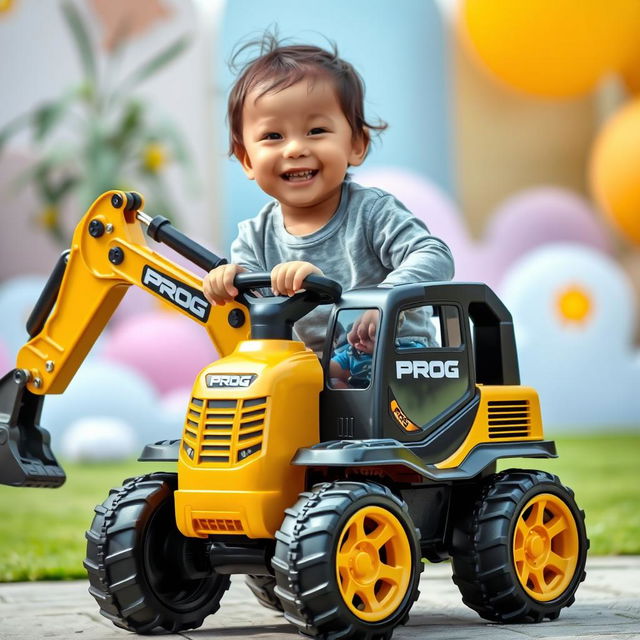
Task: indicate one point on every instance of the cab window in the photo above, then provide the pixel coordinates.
(353, 348)
(428, 326)
(430, 373)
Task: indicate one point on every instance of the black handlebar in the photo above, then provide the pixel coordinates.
(273, 317)
(319, 289)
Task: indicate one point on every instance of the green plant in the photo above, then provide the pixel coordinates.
(98, 135)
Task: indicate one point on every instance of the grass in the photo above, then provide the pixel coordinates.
(42, 531)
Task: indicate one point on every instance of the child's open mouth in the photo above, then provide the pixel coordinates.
(299, 176)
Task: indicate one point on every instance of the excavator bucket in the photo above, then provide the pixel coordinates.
(26, 460)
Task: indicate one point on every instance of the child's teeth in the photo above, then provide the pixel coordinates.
(299, 174)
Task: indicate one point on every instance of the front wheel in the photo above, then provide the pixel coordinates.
(347, 561)
(519, 556)
(143, 573)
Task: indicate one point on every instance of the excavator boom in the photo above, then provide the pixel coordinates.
(108, 254)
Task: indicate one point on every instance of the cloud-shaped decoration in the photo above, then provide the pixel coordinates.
(528, 220)
(573, 310)
(111, 390)
(98, 439)
(167, 349)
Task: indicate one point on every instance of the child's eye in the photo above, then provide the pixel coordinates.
(272, 135)
(317, 130)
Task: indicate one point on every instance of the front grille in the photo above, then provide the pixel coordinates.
(217, 525)
(224, 432)
(509, 419)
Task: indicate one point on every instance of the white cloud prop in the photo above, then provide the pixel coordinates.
(582, 362)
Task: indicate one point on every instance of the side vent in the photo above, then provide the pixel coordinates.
(345, 427)
(509, 419)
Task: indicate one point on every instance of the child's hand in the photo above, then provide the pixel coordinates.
(217, 285)
(363, 332)
(287, 277)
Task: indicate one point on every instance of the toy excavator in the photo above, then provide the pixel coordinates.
(326, 493)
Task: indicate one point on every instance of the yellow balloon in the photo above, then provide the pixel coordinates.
(615, 170)
(552, 48)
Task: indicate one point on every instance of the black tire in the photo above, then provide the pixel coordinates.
(143, 573)
(491, 580)
(263, 588)
(305, 561)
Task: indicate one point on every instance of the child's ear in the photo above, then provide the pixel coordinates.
(359, 148)
(241, 153)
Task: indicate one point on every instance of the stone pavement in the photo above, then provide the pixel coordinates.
(607, 606)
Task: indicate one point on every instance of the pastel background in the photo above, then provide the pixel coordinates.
(528, 169)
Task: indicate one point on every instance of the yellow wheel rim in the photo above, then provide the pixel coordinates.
(373, 563)
(545, 547)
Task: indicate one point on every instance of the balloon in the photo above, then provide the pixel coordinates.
(615, 170)
(540, 216)
(98, 439)
(167, 349)
(552, 48)
(6, 361)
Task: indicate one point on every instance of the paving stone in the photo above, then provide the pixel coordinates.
(607, 607)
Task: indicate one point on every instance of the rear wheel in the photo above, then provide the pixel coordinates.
(143, 573)
(520, 555)
(347, 561)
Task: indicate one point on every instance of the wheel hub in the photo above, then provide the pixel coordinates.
(364, 563)
(536, 546)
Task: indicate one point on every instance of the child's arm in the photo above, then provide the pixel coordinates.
(405, 246)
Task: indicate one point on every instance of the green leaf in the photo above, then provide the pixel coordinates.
(47, 116)
(80, 34)
(156, 63)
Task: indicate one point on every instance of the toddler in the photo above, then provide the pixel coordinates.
(296, 116)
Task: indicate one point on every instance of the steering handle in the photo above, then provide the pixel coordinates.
(318, 289)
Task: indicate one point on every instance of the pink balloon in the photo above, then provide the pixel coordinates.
(166, 348)
(541, 216)
(6, 363)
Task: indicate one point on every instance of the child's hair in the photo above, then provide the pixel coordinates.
(278, 66)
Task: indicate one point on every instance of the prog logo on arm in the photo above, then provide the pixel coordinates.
(427, 369)
(177, 293)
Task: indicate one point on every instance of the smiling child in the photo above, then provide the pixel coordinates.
(297, 123)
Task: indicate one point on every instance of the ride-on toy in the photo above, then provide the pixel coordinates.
(327, 496)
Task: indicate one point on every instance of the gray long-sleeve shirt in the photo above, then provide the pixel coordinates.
(372, 239)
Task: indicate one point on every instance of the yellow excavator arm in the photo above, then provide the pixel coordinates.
(108, 254)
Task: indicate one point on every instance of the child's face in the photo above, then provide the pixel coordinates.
(298, 145)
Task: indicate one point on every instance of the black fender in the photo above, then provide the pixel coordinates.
(387, 452)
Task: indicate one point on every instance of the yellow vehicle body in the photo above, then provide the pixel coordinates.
(234, 469)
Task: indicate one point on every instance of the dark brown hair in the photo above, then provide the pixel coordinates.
(278, 66)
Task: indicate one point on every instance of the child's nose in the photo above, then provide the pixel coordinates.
(296, 148)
